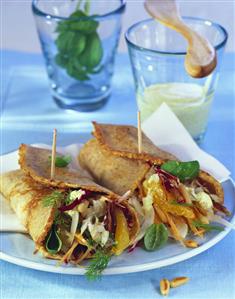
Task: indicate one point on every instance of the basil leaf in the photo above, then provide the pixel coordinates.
(76, 15)
(183, 170)
(79, 46)
(62, 26)
(93, 52)
(61, 60)
(62, 161)
(53, 242)
(65, 41)
(77, 73)
(85, 26)
(207, 227)
(155, 237)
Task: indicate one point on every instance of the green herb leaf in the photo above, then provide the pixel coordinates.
(183, 170)
(97, 265)
(52, 199)
(53, 242)
(61, 161)
(65, 41)
(155, 237)
(76, 70)
(85, 26)
(93, 52)
(62, 60)
(184, 204)
(79, 46)
(207, 227)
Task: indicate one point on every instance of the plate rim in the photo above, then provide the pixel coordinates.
(80, 270)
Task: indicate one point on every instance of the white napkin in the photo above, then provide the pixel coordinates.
(166, 131)
(9, 221)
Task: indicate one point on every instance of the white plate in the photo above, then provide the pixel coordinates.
(18, 248)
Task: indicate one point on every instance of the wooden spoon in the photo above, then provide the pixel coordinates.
(200, 59)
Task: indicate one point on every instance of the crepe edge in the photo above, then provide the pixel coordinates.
(59, 184)
(98, 134)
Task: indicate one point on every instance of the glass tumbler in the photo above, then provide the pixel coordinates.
(157, 56)
(79, 41)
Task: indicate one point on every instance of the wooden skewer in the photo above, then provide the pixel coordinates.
(139, 133)
(53, 154)
(125, 196)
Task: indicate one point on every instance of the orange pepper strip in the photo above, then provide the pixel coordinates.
(174, 209)
(121, 233)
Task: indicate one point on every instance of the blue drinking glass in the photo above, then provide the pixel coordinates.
(157, 55)
(79, 41)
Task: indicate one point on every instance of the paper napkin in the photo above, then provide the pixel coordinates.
(166, 131)
(9, 222)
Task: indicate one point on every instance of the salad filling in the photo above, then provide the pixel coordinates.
(85, 222)
(173, 194)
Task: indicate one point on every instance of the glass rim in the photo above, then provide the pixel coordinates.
(217, 47)
(39, 12)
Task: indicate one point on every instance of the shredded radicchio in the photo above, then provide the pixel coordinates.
(76, 202)
(108, 218)
(128, 216)
(169, 181)
(220, 208)
(132, 248)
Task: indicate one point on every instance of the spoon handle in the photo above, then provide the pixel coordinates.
(200, 59)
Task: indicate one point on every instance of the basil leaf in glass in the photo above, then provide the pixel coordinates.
(53, 242)
(62, 60)
(183, 170)
(85, 26)
(76, 70)
(155, 237)
(93, 52)
(79, 46)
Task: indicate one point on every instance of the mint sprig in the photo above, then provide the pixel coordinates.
(79, 46)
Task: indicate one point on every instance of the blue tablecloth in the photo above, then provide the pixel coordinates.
(28, 115)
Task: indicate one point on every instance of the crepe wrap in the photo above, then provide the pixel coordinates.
(26, 188)
(35, 162)
(113, 160)
(25, 198)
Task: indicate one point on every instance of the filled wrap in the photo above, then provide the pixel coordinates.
(113, 160)
(70, 217)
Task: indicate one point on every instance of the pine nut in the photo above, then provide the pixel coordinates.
(178, 281)
(164, 287)
(191, 243)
